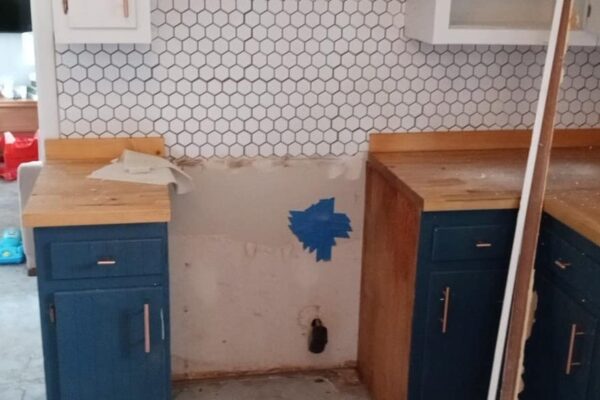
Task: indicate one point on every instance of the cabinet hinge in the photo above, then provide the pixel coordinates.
(52, 313)
(589, 11)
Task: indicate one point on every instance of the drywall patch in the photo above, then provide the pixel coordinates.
(318, 226)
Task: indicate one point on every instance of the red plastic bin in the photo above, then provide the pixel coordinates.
(18, 149)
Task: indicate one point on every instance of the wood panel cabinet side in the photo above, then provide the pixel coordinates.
(392, 226)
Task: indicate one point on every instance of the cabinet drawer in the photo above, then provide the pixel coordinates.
(570, 265)
(474, 242)
(106, 258)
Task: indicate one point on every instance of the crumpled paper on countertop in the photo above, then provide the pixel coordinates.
(145, 168)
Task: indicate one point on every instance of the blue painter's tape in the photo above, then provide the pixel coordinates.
(318, 226)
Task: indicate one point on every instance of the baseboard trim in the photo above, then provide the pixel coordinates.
(214, 375)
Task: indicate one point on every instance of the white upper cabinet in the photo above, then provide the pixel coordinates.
(102, 21)
(508, 22)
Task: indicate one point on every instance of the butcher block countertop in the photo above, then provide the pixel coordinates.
(63, 196)
(491, 177)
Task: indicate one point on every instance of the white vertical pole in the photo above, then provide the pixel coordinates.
(526, 193)
(45, 66)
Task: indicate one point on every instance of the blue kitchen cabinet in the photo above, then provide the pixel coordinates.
(562, 356)
(431, 294)
(558, 359)
(463, 312)
(433, 284)
(461, 276)
(104, 305)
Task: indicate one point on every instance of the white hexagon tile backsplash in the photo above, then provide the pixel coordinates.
(302, 77)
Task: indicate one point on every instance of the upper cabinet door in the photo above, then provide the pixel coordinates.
(106, 14)
(106, 21)
(503, 22)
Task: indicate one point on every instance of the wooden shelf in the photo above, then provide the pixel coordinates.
(18, 115)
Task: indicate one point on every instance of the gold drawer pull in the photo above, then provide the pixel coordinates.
(570, 363)
(446, 301)
(147, 328)
(562, 264)
(483, 245)
(126, 8)
(106, 263)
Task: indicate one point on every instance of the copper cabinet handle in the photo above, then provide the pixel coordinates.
(446, 300)
(106, 263)
(126, 8)
(483, 245)
(65, 6)
(562, 264)
(570, 355)
(147, 328)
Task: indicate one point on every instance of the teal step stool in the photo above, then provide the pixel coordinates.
(11, 247)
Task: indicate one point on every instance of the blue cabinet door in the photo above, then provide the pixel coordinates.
(111, 344)
(559, 353)
(463, 313)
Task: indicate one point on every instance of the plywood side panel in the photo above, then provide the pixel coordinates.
(476, 140)
(391, 235)
(101, 149)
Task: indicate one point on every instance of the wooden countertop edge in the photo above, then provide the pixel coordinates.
(383, 143)
(53, 220)
(433, 205)
(570, 216)
(397, 183)
(574, 219)
(93, 153)
(567, 215)
(476, 140)
(88, 150)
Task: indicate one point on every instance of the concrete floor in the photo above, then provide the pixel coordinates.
(21, 360)
(9, 204)
(334, 385)
(21, 368)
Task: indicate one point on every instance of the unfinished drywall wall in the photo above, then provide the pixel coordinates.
(243, 290)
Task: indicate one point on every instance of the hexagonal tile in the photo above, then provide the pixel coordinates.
(270, 72)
